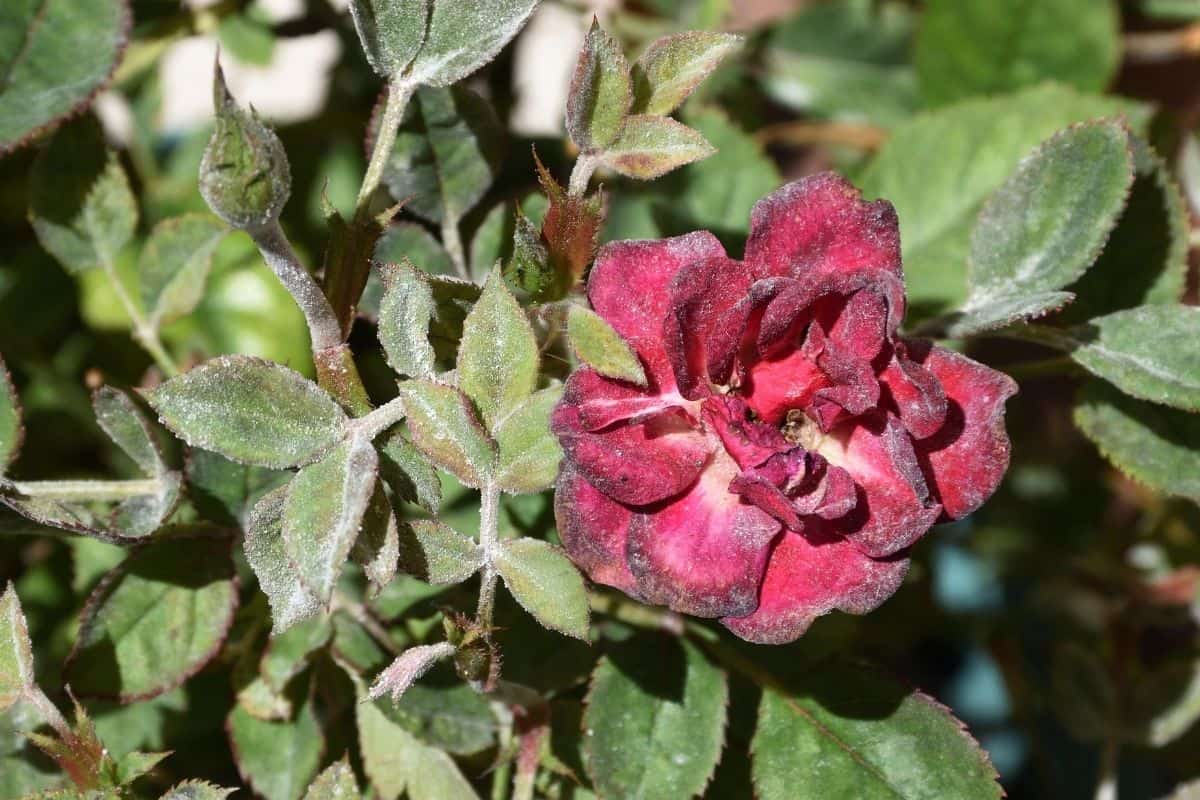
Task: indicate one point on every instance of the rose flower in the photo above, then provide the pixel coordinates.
(789, 446)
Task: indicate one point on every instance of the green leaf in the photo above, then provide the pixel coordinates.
(248, 37)
(196, 790)
(225, 491)
(408, 241)
(529, 451)
(121, 419)
(673, 66)
(80, 203)
(409, 474)
(1145, 259)
(290, 600)
(652, 146)
(436, 553)
(1152, 353)
(462, 37)
(396, 761)
(323, 511)
(546, 584)
(337, 782)
(445, 429)
(16, 651)
(12, 432)
(250, 410)
(55, 56)
(288, 653)
(719, 192)
(498, 356)
(998, 312)
(655, 719)
(377, 548)
(174, 265)
(134, 765)
(848, 60)
(938, 191)
(493, 240)
(277, 759)
(529, 270)
(21, 771)
(596, 344)
(404, 315)
(391, 32)
(849, 731)
(447, 153)
(972, 47)
(155, 621)
(244, 175)
(1043, 228)
(454, 717)
(600, 93)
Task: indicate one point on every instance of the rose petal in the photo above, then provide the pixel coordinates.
(601, 402)
(820, 226)
(812, 574)
(750, 443)
(704, 552)
(965, 461)
(916, 394)
(894, 505)
(629, 283)
(635, 463)
(702, 295)
(593, 529)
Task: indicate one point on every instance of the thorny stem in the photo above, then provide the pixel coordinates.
(145, 333)
(88, 490)
(323, 326)
(489, 512)
(399, 93)
(585, 165)
(452, 241)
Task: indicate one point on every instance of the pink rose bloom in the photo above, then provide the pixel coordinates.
(790, 446)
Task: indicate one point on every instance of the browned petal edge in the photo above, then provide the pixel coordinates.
(126, 24)
(109, 582)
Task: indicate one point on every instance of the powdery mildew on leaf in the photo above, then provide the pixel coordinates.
(462, 37)
(291, 601)
(546, 584)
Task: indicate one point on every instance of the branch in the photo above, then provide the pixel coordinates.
(323, 327)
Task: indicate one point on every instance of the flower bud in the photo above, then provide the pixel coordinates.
(244, 175)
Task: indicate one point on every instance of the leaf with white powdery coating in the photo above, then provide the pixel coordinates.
(652, 146)
(1156, 446)
(396, 761)
(672, 67)
(409, 474)
(1046, 225)
(655, 720)
(444, 427)
(546, 584)
(849, 731)
(377, 548)
(121, 419)
(600, 347)
(938, 191)
(277, 759)
(404, 315)
(12, 431)
(498, 356)
(250, 410)
(335, 783)
(80, 203)
(462, 37)
(407, 669)
(1151, 352)
(529, 451)
(290, 600)
(391, 32)
(324, 508)
(16, 652)
(155, 620)
(600, 93)
(436, 553)
(174, 265)
(55, 56)
(196, 790)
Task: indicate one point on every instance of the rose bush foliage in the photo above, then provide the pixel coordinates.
(790, 445)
